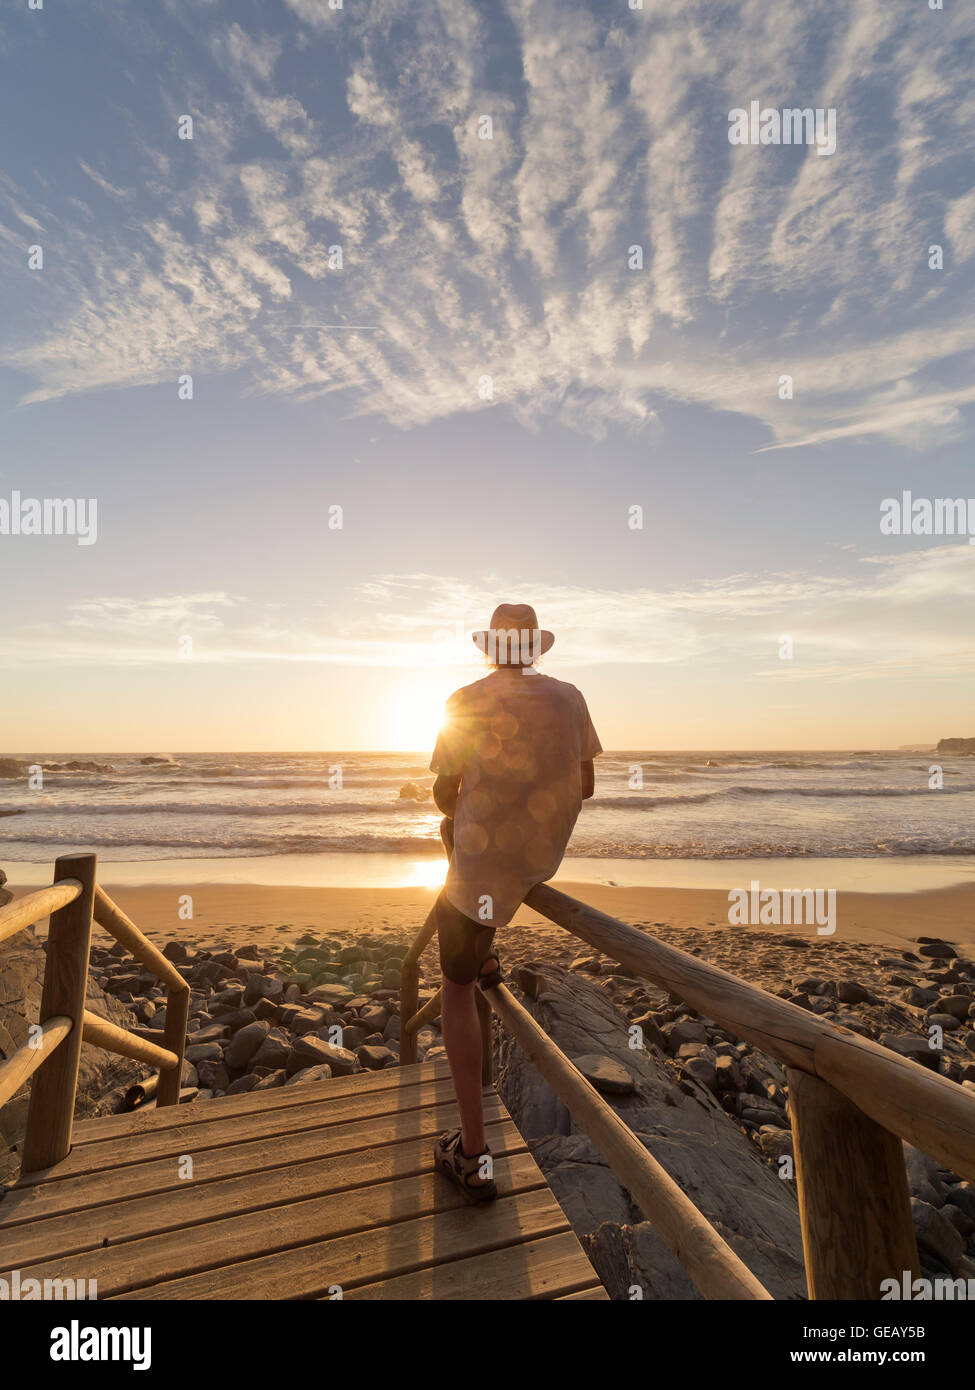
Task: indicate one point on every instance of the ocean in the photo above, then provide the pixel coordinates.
(648, 806)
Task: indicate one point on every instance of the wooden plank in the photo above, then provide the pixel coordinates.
(284, 1097)
(19, 1068)
(175, 1140)
(189, 1204)
(108, 915)
(44, 1200)
(384, 1251)
(596, 1292)
(712, 1264)
(34, 907)
(140, 1263)
(552, 1267)
(929, 1111)
(50, 1116)
(854, 1205)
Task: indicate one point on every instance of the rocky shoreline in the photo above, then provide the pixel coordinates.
(263, 1016)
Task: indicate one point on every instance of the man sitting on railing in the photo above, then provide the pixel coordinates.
(514, 761)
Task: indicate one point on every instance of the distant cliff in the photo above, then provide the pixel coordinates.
(957, 745)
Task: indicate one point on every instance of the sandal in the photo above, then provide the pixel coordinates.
(458, 1168)
(492, 977)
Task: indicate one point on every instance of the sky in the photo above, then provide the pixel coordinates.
(450, 304)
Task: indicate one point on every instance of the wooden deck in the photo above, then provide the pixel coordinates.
(290, 1193)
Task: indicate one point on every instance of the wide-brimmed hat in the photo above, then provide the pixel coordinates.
(514, 629)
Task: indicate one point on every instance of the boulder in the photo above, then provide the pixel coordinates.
(311, 1051)
(374, 1058)
(245, 1043)
(702, 1148)
(320, 1072)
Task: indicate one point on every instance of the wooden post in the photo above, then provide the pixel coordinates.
(174, 1040)
(487, 1037)
(409, 988)
(51, 1112)
(409, 994)
(853, 1198)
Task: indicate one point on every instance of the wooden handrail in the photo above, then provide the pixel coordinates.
(115, 922)
(852, 1100)
(101, 1033)
(24, 912)
(74, 901)
(25, 1061)
(929, 1111)
(711, 1263)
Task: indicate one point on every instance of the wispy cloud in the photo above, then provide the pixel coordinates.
(508, 259)
(912, 613)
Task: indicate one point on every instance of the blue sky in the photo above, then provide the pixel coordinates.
(463, 259)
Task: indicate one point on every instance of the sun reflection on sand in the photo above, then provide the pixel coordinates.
(427, 873)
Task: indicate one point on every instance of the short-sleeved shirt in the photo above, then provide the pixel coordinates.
(516, 739)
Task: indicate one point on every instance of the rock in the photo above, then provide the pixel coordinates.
(212, 1032)
(245, 1043)
(923, 1178)
(702, 1070)
(320, 1072)
(213, 1076)
(919, 998)
(374, 1058)
(937, 950)
(310, 1051)
(274, 1051)
(299, 1018)
(702, 1148)
(272, 1079)
(392, 1029)
(263, 987)
(956, 1004)
(374, 1018)
(728, 1076)
(687, 1030)
(391, 978)
(936, 1234)
(335, 994)
(913, 1047)
(962, 1195)
(850, 992)
(946, 1022)
(243, 1083)
(176, 952)
(233, 1019)
(588, 964)
(605, 1073)
(204, 1052)
(775, 1143)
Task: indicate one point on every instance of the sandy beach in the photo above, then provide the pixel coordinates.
(267, 915)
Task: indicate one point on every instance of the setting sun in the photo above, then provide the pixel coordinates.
(414, 711)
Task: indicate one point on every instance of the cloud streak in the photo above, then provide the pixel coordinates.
(500, 269)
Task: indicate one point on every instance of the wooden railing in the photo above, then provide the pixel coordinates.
(851, 1102)
(74, 901)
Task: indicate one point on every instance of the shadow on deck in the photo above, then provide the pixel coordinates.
(296, 1192)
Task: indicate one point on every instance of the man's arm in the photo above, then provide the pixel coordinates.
(588, 779)
(445, 793)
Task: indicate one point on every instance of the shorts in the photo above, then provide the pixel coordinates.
(464, 944)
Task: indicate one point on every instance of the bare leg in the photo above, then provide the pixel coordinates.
(462, 1039)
